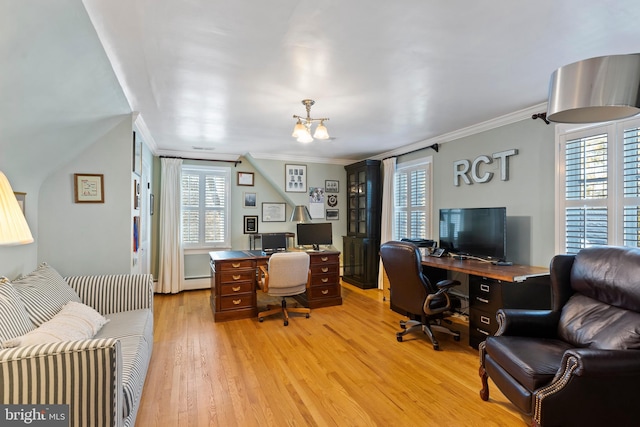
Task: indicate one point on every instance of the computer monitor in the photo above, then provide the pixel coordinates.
(274, 242)
(315, 234)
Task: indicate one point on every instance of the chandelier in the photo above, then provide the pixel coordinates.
(302, 129)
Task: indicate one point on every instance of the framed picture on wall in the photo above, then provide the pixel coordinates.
(331, 186)
(295, 178)
(250, 224)
(274, 212)
(245, 178)
(332, 214)
(88, 188)
(137, 155)
(250, 200)
(20, 197)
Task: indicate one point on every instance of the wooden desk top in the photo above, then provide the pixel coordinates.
(253, 254)
(509, 273)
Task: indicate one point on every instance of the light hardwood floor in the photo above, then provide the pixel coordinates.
(341, 367)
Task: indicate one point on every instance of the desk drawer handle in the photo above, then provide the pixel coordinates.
(324, 259)
(484, 300)
(324, 269)
(485, 320)
(234, 289)
(235, 264)
(483, 332)
(236, 277)
(325, 292)
(237, 301)
(325, 279)
(484, 288)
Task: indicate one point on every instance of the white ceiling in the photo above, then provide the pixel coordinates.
(227, 76)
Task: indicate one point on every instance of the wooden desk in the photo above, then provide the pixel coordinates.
(492, 287)
(234, 282)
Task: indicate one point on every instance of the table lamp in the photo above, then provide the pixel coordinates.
(14, 229)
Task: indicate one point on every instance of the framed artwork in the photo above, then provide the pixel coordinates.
(295, 178)
(332, 200)
(250, 200)
(250, 224)
(136, 194)
(88, 188)
(245, 178)
(274, 212)
(331, 186)
(137, 155)
(20, 197)
(332, 214)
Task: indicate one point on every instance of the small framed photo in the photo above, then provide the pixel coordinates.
(250, 224)
(274, 212)
(332, 214)
(295, 178)
(88, 188)
(245, 178)
(137, 155)
(20, 197)
(331, 186)
(250, 200)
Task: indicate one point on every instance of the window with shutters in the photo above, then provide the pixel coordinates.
(412, 200)
(205, 207)
(599, 186)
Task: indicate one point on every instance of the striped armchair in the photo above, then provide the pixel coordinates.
(101, 379)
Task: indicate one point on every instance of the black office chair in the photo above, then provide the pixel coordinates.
(412, 292)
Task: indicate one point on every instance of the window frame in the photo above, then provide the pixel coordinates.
(615, 201)
(426, 164)
(202, 171)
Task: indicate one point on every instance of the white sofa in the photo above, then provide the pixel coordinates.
(100, 377)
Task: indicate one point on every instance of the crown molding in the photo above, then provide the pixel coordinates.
(507, 119)
(292, 158)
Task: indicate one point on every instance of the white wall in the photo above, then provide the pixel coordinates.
(528, 194)
(90, 238)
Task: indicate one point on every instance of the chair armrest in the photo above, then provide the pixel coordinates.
(597, 362)
(264, 284)
(591, 378)
(528, 323)
(114, 293)
(446, 284)
(66, 373)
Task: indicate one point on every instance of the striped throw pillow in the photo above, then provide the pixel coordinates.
(14, 319)
(44, 292)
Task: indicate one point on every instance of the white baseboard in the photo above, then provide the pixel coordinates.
(197, 283)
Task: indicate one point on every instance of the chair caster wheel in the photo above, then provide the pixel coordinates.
(456, 337)
(260, 319)
(307, 316)
(286, 323)
(436, 347)
(399, 338)
(403, 325)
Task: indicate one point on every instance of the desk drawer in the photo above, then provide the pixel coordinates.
(325, 291)
(236, 265)
(485, 294)
(236, 288)
(329, 269)
(324, 259)
(235, 302)
(324, 279)
(237, 276)
(483, 322)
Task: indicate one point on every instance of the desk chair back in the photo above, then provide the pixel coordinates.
(288, 273)
(409, 287)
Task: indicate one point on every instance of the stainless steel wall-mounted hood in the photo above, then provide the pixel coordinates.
(595, 90)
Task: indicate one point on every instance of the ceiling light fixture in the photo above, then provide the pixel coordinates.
(302, 129)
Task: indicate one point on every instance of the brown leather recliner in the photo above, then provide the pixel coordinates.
(577, 364)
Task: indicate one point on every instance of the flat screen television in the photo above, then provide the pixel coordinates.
(274, 242)
(314, 234)
(475, 232)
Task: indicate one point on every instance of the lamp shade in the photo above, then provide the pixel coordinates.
(300, 214)
(595, 90)
(321, 132)
(13, 225)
